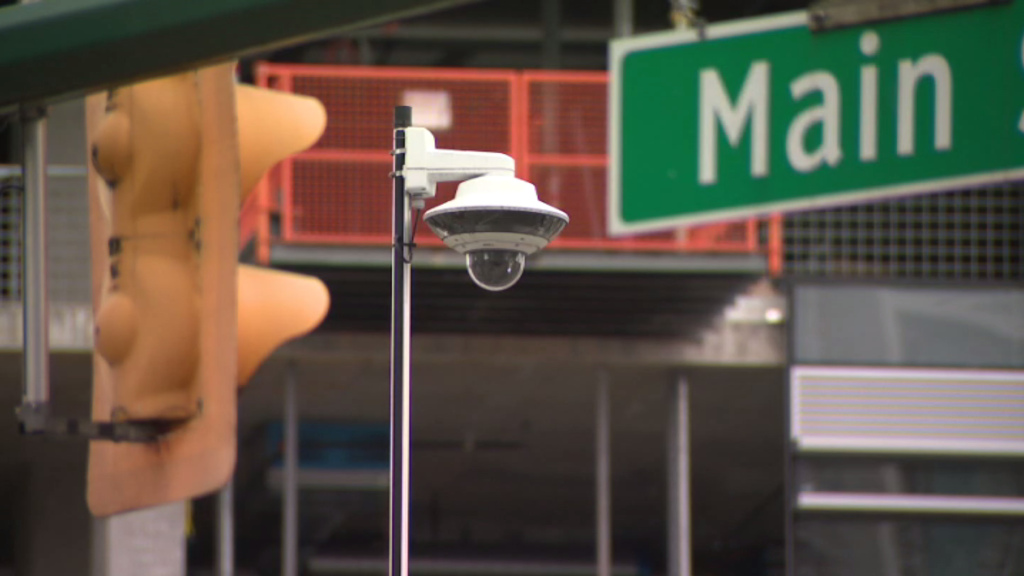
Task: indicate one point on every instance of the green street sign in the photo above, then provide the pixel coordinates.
(763, 115)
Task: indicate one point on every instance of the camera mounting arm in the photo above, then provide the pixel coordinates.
(425, 165)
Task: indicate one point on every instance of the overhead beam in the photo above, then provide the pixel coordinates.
(67, 48)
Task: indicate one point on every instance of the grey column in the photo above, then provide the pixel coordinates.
(148, 542)
(35, 291)
(551, 40)
(226, 530)
(290, 495)
(550, 103)
(622, 18)
(603, 472)
(679, 538)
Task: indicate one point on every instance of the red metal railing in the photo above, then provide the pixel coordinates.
(552, 122)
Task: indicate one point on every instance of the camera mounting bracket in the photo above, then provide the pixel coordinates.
(425, 165)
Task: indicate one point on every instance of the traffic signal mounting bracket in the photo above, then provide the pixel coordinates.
(142, 432)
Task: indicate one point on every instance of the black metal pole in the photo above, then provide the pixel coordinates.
(401, 269)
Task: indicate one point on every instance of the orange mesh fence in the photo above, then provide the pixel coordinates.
(339, 191)
(553, 123)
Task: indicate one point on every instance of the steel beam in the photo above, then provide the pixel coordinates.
(67, 48)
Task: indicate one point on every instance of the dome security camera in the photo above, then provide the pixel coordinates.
(496, 220)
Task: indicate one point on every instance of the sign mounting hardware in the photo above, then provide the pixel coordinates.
(828, 15)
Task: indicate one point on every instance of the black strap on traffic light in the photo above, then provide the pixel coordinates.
(35, 420)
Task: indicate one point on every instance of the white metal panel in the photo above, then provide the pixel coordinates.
(910, 504)
(907, 410)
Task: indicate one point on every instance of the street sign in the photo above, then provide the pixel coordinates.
(764, 115)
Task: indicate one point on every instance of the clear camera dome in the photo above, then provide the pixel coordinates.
(495, 270)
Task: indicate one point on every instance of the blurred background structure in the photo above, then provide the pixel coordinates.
(509, 387)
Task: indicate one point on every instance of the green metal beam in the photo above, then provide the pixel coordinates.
(58, 49)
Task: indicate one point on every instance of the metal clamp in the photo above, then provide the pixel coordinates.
(34, 419)
(32, 111)
(826, 15)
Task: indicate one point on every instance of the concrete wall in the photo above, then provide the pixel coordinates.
(68, 209)
(44, 520)
(54, 526)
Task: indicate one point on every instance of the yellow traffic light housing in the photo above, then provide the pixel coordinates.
(274, 306)
(179, 326)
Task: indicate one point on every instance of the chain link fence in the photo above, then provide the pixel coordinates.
(68, 252)
(10, 239)
(967, 235)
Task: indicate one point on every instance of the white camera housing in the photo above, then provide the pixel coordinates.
(496, 212)
(496, 220)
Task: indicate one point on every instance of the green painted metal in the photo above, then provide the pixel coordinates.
(65, 48)
(821, 123)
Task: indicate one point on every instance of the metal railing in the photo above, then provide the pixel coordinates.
(554, 123)
(68, 234)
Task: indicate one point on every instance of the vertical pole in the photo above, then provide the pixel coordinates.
(148, 541)
(622, 16)
(551, 40)
(290, 499)
(551, 117)
(679, 557)
(603, 450)
(34, 288)
(401, 295)
(226, 530)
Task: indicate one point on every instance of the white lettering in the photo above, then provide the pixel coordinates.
(868, 113)
(870, 43)
(910, 73)
(751, 107)
(826, 114)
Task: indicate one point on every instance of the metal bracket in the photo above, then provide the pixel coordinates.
(35, 419)
(826, 15)
(32, 417)
(32, 111)
(685, 15)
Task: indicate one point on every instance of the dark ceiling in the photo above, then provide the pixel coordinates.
(510, 34)
(542, 303)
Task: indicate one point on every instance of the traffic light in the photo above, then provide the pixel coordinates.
(274, 306)
(179, 325)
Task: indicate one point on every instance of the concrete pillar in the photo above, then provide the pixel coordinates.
(147, 542)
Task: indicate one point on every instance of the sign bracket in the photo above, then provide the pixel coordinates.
(827, 15)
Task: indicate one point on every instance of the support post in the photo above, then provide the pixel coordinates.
(603, 472)
(551, 59)
(401, 297)
(622, 17)
(34, 287)
(551, 39)
(290, 496)
(226, 530)
(149, 541)
(679, 539)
